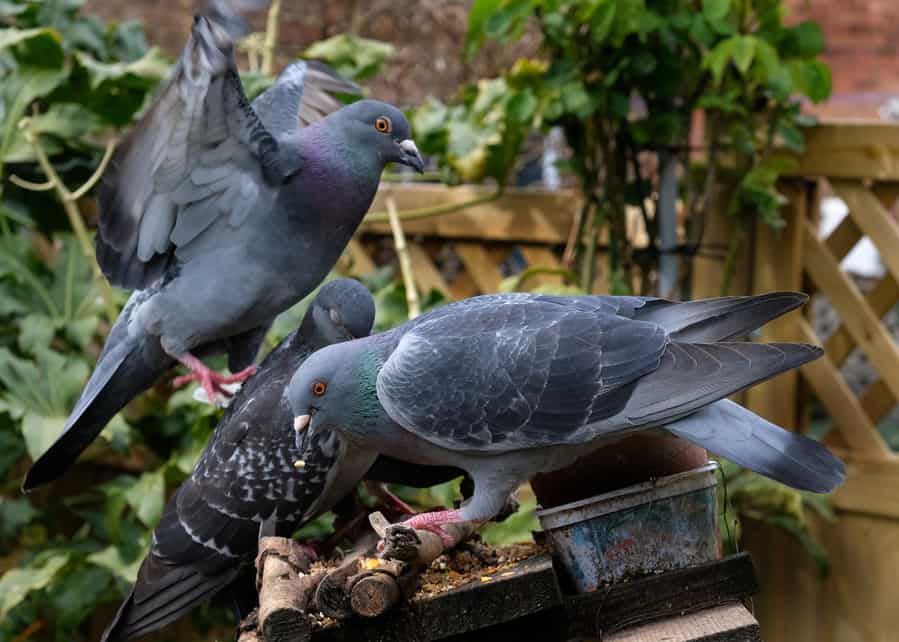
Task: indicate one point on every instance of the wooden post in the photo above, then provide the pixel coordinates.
(285, 590)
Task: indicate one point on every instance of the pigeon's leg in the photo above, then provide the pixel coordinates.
(210, 380)
(433, 521)
(382, 493)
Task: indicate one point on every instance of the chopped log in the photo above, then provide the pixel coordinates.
(373, 594)
(247, 629)
(285, 589)
(332, 596)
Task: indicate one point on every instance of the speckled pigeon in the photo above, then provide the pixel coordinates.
(222, 215)
(206, 541)
(508, 386)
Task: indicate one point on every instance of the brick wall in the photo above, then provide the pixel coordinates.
(862, 42)
(862, 50)
(428, 35)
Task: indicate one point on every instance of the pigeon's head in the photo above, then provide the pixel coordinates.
(384, 129)
(334, 389)
(342, 310)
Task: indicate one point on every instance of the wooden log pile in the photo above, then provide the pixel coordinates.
(357, 600)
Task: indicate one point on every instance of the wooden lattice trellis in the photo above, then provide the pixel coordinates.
(534, 224)
(860, 164)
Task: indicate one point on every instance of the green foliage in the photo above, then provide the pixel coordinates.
(624, 78)
(744, 494)
(353, 57)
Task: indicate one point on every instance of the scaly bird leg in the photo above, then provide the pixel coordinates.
(210, 380)
(433, 521)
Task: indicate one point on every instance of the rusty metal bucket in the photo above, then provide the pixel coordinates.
(644, 529)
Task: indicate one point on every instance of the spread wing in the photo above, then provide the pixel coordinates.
(202, 158)
(515, 372)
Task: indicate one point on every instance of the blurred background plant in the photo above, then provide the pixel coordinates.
(66, 558)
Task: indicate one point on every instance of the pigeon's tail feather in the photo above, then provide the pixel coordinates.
(729, 430)
(720, 319)
(125, 369)
(149, 608)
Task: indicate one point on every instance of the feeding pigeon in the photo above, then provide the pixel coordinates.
(222, 215)
(508, 386)
(207, 538)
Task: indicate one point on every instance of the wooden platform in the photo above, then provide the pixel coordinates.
(701, 603)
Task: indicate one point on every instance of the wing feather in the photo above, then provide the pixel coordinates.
(515, 372)
(203, 152)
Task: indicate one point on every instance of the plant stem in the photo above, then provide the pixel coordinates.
(402, 252)
(271, 38)
(72, 211)
(437, 210)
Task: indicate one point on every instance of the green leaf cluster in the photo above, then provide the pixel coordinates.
(626, 80)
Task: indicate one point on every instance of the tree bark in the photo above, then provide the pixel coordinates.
(285, 589)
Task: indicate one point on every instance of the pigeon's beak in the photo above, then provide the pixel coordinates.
(409, 155)
(300, 423)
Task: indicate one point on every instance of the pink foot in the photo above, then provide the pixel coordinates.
(382, 493)
(433, 521)
(210, 380)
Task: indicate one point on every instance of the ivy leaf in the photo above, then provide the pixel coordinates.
(41, 47)
(147, 497)
(17, 583)
(743, 52)
(112, 559)
(602, 21)
(480, 12)
(14, 514)
(17, 92)
(40, 432)
(354, 57)
(77, 593)
(809, 39)
(715, 10)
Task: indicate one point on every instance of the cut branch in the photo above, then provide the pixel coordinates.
(285, 589)
(402, 252)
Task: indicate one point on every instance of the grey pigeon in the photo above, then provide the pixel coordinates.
(508, 386)
(223, 214)
(206, 541)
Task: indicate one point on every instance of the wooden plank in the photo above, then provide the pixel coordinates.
(520, 215)
(778, 266)
(844, 237)
(427, 276)
(850, 150)
(481, 268)
(360, 262)
(843, 406)
(881, 298)
(870, 486)
(863, 324)
(873, 219)
(878, 401)
(649, 598)
(728, 623)
(530, 588)
(887, 192)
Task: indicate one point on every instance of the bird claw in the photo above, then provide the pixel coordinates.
(215, 385)
(432, 522)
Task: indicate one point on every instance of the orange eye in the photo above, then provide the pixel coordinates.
(383, 125)
(319, 388)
